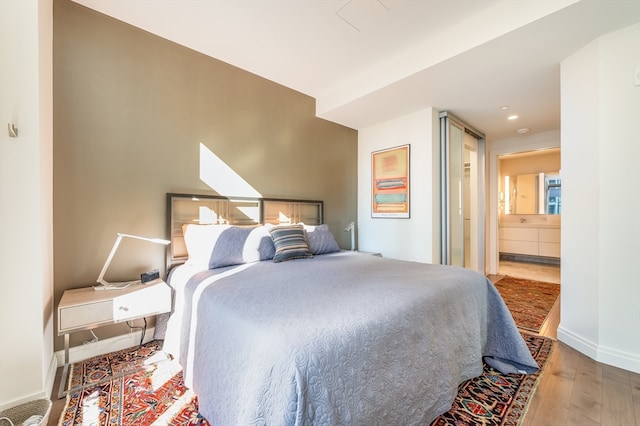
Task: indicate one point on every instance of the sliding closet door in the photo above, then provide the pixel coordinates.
(473, 235)
(462, 194)
(456, 188)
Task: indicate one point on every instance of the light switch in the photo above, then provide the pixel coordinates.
(13, 130)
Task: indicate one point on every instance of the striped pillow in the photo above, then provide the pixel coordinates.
(290, 243)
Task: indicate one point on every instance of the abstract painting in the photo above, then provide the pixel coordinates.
(390, 182)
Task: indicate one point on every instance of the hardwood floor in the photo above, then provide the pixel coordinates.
(574, 390)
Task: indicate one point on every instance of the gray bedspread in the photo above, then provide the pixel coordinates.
(340, 339)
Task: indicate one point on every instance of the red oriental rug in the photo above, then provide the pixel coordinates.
(528, 301)
(139, 386)
(495, 399)
(135, 386)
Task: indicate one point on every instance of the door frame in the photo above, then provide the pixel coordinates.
(537, 142)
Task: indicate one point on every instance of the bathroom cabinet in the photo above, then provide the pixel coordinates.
(530, 239)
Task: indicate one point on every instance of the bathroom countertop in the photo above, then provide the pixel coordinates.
(529, 225)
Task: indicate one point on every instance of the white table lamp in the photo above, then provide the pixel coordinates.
(105, 285)
(352, 227)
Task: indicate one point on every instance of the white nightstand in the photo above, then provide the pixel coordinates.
(85, 309)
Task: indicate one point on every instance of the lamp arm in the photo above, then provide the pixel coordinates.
(101, 279)
(353, 238)
(108, 262)
(151, 240)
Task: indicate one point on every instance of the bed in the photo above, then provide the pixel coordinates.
(269, 332)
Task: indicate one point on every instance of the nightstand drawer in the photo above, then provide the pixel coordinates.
(85, 308)
(148, 300)
(81, 316)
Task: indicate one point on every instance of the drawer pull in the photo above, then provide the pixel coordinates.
(124, 308)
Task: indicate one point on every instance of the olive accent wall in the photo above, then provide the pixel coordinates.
(132, 113)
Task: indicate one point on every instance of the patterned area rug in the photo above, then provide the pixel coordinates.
(152, 390)
(529, 301)
(135, 386)
(493, 399)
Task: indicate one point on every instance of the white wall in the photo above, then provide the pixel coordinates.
(27, 364)
(600, 301)
(418, 237)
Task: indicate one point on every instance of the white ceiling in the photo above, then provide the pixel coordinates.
(366, 61)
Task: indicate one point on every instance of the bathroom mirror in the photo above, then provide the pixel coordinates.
(535, 193)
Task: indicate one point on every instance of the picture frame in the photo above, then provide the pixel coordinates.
(390, 186)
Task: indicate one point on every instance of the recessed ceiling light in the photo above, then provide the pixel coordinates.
(512, 117)
(504, 107)
(523, 130)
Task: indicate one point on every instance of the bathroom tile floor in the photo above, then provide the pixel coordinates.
(531, 271)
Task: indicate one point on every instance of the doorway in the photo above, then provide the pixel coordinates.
(529, 211)
(462, 194)
(497, 150)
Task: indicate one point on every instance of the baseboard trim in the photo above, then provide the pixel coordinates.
(51, 375)
(620, 359)
(610, 356)
(10, 404)
(577, 342)
(544, 260)
(101, 347)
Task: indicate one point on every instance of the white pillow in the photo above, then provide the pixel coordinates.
(200, 241)
(217, 246)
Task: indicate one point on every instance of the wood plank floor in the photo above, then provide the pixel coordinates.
(574, 390)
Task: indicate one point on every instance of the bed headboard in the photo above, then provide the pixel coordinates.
(216, 209)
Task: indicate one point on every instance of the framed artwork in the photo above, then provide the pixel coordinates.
(390, 182)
